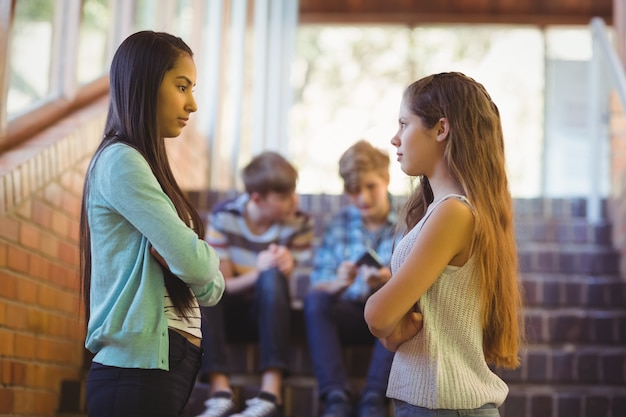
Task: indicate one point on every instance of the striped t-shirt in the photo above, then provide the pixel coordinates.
(229, 235)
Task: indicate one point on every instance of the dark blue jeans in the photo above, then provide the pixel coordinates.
(132, 392)
(330, 322)
(263, 316)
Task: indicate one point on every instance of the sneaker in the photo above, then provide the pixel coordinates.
(337, 405)
(264, 405)
(372, 405)
(220, 404)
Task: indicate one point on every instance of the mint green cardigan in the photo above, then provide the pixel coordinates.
(128, 212)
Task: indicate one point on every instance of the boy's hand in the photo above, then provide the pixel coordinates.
(283, 259)
(265, 260)
(346, 274)
(374, 277)
(276, 256)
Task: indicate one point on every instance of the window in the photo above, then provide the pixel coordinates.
(348, 83)
(93, 52)
(31, 55)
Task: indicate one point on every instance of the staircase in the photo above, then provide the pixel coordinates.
(575, 361)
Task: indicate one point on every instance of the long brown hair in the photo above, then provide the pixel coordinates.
(137, 69)
(475, 155)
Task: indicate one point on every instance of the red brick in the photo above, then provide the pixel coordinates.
(68, 253)
(42, 214)
(18, 373)
(6, 400)
(38, 267)
(9, 228)
(29, 236)
(45, 403)
(49, 244)
(38, 321)
(24, 401)
(17, 259)
(27, 291)
(8, 285)
(16, 317)
(53, 193)
(3, 254)
(60, 223)
(25, 346)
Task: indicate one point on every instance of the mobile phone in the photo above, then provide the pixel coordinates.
(369, 258)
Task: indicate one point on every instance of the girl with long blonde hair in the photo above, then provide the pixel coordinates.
(453, 304)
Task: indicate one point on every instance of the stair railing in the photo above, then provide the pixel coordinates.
(606, 73)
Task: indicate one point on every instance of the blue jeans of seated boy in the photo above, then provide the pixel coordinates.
(331, 322)
(262, 315)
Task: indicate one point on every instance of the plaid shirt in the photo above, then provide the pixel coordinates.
(345, 239)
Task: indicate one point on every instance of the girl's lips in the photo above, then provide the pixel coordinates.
(182, 122)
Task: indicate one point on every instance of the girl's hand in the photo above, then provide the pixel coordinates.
(407, 328)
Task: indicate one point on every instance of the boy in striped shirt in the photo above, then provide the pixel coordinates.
(261, 238)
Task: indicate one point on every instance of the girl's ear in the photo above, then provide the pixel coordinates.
(443, 127)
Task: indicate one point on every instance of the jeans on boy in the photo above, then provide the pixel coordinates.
(331, 321)
(263, 315)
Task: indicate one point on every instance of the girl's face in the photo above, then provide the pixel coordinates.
(418, 148)
(175, 99)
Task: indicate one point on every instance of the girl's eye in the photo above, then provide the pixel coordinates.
(183, 88)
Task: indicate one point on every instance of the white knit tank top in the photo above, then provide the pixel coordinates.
(444, 366)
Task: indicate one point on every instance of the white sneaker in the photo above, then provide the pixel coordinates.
(258, 407)
(218, 406)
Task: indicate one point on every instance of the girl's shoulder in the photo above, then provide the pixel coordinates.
(454, 197)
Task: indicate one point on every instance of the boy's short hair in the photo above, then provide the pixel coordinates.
(359, 159)
(269, 172)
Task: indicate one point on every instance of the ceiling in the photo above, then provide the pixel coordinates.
(537, 12)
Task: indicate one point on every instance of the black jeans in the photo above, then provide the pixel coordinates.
(263, 316)
(132, 392)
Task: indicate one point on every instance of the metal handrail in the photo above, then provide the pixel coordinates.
(600, 36)
(603, 57)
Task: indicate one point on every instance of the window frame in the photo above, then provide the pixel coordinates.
(66, 94)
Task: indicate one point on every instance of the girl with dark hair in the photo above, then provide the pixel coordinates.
(145, 266)
(453, 304)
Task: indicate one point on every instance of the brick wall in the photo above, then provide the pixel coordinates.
(41, 326)
(41, 329)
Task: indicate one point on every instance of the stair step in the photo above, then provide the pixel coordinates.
(550, 207)
(577, 326)
(557, 230)
(568, 258)
(547, 290)
(554, 400)
(568, 364)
